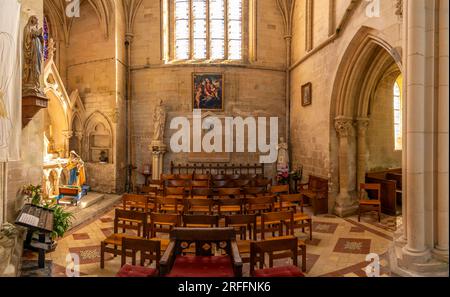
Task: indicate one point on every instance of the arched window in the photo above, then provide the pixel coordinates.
(398, 127)
(208, 29)
(46, 37)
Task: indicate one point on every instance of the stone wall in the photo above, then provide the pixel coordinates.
(313, 136)
(380, 133)
(256, 89)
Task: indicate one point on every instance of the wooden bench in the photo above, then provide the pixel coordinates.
(391, 189)
(316, 190)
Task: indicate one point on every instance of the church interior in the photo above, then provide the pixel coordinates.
(224, 138)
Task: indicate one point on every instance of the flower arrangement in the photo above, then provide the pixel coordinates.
(62, 219)
(283, 177)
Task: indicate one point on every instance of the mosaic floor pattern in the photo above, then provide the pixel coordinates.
(338, 249)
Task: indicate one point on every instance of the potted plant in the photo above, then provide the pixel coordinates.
(62, 219)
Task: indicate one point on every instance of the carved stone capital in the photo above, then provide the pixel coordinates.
(343, 126)
(362, 124)
(399, 8)
(67, 134)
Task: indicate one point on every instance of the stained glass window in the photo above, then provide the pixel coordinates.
(46, 38)
(397, 116)
(208, 29)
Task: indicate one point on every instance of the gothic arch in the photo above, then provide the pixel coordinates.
(364, 63)
(98, 135)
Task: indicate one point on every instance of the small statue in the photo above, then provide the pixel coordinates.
(283, 155)
(33, 41)
(159, 121)
(103, 157)
(75, 165)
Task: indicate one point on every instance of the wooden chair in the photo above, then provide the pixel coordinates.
(201, 177)
(301, 219)
(262, 182)
(203, 264)
(259, 249)
(222, 184)
(199, 184)
(241, 183)
(202, 193)
(274, 222)
(316, 191)
(163, 223)
(369, 205)
(254, 191)
(228, 193)
(203, 206)
(200, 221)
(187, 177)
(125, 220)
(230, 206)
(234, 176)
(245, 226)
(259, 205)
(136, 202)
(218, 177)
(175, 192)
(149, 190)
(149, 250)
(179, 183)
(169, 205)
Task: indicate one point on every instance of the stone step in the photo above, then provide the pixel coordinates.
(90, 199)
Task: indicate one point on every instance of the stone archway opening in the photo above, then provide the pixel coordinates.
(364, 83)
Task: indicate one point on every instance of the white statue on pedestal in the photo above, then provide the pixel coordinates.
(159, 122)
(283, 155)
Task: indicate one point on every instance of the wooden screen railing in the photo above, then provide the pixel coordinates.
(217, 168)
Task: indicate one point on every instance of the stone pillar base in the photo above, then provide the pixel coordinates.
(406, 263)
(345, 205)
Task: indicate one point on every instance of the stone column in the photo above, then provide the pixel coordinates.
(79, 136)
(442, 143)
(362, 124)
(67, 134)
(344, 204)
(158, 150)
(416, 250)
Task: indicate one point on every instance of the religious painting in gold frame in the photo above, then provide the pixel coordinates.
(208, 91)
(307, 94)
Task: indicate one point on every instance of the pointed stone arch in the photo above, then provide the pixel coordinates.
(368, 57)
(98, 135)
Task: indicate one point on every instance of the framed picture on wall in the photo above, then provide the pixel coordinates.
(208, 91)
(307, 94)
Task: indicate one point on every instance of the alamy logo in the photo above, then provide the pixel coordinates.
(373, 269)
(73, 8)
(373, 8)
(225, 137)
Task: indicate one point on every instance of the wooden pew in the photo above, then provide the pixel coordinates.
(388, 194)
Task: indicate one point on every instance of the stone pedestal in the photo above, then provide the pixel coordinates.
(158, 149)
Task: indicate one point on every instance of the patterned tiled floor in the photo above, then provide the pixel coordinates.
(339, 247)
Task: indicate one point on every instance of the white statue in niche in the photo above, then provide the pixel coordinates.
(159, 122)
(283, 155)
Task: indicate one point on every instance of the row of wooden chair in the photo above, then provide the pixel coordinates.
(173, 263)
(210, 177)
(281, 223)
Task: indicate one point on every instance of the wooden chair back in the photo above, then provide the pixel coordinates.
(178, 192)
(202, 177)
(234, 176)
(277, 218)
(254, 191)
(178, 183)
(241, 183)
(201, 193)
(166, 177)
(169, 204)
(204, 240)
(260, 205)
(286, 201)
(199, 184)
(204, 206)
(149, 250)
(130, 220)
(149, 190)
(228, 192)
(369, 188)
(243, 224)
(262, 182)
(217, 177)
(184, 176)
(279, 189)
(259, 249)
(135, 202)
(225, 203)
(222, 183)
(200, 221)
(159, 220)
